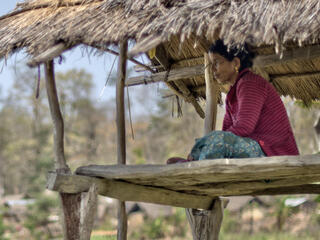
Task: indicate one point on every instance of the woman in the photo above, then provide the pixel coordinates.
(255, 124)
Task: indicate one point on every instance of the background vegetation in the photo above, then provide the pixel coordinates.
(26, 142)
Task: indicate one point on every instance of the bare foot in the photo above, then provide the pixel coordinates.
(176, 160)
(179, 159)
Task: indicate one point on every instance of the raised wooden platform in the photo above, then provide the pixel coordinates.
(196, 184)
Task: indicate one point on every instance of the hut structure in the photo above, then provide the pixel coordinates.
(285, 35)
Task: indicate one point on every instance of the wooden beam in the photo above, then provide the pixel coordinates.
(295, 76)
(49, 54)
(302, 189)
(303, 53)
(123, 191)
(121, 132)
(162, 58)
(261, 61)
(247, 187)
(188, 96)
(145, 67)
(174, 74)
(145, 45)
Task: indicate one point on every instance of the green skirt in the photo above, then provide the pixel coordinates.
(222, 144)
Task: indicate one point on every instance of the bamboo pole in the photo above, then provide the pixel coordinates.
(205, 225)
(121, 133)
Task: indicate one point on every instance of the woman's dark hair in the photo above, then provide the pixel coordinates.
(244, 54)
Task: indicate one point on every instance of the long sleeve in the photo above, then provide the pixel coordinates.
(227, 121)
(251, 95)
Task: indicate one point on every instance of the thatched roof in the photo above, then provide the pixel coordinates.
(183, 29)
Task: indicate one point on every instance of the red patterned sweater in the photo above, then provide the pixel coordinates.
(255, 110)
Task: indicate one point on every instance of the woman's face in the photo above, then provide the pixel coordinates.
(224, 71)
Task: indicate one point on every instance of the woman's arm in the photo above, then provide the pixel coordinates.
(227, 121)
(251, 94)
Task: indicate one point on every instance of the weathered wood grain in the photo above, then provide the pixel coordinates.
(88, 212)
(131, 192)
(218, 170)
(123, 191)
(245, 188)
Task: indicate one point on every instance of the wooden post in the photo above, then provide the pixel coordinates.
(121, 133)
(205, 224)
(211, 98)
(70, 202)
(88, 212)
(58, 126)
(74, 227)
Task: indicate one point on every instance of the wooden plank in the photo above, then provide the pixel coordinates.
(302, 189)
(49, 54)
(245, 188)
(218, 170)
(121, 132)
(123, 191)
(174, 74)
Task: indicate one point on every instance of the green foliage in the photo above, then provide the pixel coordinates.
(3, 228)
(174, 225)
(37, 216)
(103, 238)
(230, 224)
(138, 154)
(264, 236)
(317, 199)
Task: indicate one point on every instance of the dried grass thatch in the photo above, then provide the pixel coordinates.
(183, 27)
